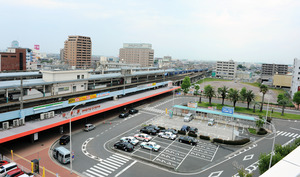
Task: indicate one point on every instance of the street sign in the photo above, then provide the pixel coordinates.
(73, 155)
(228, 110)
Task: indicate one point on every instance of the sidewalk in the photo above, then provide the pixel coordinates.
(39, 150)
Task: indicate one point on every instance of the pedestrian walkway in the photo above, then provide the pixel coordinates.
(107, 167)
(152, 109)
(288, 134)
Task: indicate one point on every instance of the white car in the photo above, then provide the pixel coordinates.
(143, 137)
(150, 145)
(168, 135)
(211, 122)
(130, 139)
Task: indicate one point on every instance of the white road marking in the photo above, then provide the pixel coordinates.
(120, 157)
(214, 153)
(283, 133)
(125, 169)
(109, 165)
(94, 173)
(122, 161)
(112, 160)
(279, 133)
(291, 134)
(96, 166)
(185, 157)
(294, 128)
(98, 171)
(287, 134)
(295, 135)
(103, 166)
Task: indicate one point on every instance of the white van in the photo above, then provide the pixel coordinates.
(188, 117)
(62, 155)
(7, 167)
(89, 127)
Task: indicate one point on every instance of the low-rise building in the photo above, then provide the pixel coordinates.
(282, 80)
(226, 69)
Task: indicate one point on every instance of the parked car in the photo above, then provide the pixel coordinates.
(150, 145)
(185, 128)
(188, 117)
(3, 162)
(27, 175)
(124, 146)
(187, 140)
(133, 111)
(124, 115)
(193, 130)
(14, 173)
(65, 139)
(143, 137)
(89, 127)
(148, 130)
(7, 167)
(211, 122)
(130, 139)
(167, 135)
(172, 130)
(154, 127)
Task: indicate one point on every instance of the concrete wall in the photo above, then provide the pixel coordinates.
(52, 76)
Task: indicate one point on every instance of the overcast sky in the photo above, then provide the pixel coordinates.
(250, 31)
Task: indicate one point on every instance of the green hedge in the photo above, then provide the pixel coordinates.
(262, 131)
(181, 132)
(231, 142)
(204, 137)
(192, 134)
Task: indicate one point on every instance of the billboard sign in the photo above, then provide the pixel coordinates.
(228, 110)
(37, 47)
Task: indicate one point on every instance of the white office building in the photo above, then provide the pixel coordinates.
(226, 69)
(296, 77)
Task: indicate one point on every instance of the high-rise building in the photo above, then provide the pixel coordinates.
(78, 51)
(61, 54)
(13, 60)
(137, 53)
(296, 77)
(271, 69)
(226, 69)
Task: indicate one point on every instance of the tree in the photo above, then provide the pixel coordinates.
(259, 123)
(243, 94)
(283, 99)
(296, 98)
(263, 164)
(249, 97)
(197, 87)
(186, 83)
(263, 89)
(255, 104)
(233, 95)
(209, 92)
(223, 91)
(243, 173)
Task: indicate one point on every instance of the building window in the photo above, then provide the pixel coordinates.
(78, 76)
(82, 76)
(63, 89)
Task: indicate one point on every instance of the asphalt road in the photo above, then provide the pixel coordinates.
(94, 158)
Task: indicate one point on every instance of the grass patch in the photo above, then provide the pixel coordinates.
(210, 80)
(250, 111)
(255, 84)
(252, 130)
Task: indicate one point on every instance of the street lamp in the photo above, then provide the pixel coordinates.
(71, 135)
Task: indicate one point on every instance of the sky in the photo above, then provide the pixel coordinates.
(264, 31)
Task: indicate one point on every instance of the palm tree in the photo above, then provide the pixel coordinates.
(233, 95)
(249, 96)
(254, 104)
(263, 89)
(209, 92)
(283, 99)
(223, 91)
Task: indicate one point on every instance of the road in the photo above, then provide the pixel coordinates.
(94, 158)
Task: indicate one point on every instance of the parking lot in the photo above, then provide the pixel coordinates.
(173, 154)
(218, 130)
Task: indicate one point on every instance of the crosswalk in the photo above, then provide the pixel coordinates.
(107, 166)
(288, 134)
(151, 109)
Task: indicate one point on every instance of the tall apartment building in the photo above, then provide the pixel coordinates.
(137, 53)
(13, 60)
(226, 69)
(78, 51)
(296, 77)
(271, 69)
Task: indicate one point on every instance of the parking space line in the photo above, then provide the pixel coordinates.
(181, 147)
(135, 150)
(164, 150)
(205, 149)
(192, 155)
(168, 159)
(173, 154)
(214, 154)
(185, 157)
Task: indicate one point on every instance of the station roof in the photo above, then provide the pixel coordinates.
(19, 74)
(238, 116)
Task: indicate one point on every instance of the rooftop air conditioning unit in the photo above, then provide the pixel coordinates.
(15, 123)
(5, 125)
(21, 122)
(51, 114)
(42, 116)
